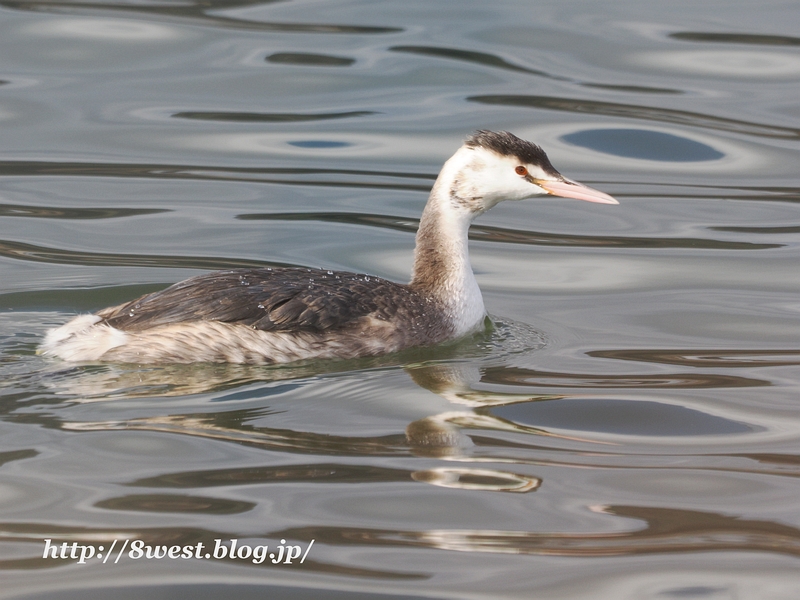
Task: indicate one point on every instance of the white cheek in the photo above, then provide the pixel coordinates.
(507, 185)
(525, 189)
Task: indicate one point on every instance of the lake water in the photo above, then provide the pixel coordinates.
(629, 429)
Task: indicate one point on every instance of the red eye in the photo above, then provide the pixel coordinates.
(520, 170)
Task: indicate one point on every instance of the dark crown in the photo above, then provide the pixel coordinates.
(507, 144)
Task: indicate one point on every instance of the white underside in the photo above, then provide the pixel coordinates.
(85, 339)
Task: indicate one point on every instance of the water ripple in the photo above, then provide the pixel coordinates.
(310, 472)
(176, 503)
(665, 531)
(485, 59)
(252, 117)
(553, 379)
(195, 13)
(739, 64)
(307, 59)
(643, 144)
(105, 29)
(217, 426)
(736, 38)
(620, 417)
(512, 236)
(52, 212)
(633, 89)
(759, 230)
(635, 111)
(212, 173)
(705, 358)
(35, 253)
(471, 56)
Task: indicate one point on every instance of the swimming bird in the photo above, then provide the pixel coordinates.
(280, 315)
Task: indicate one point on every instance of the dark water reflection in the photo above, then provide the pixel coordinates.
(647, 145)
(735, 38)
(196, 13)
(478, 58)
(316, 60)
(633, 111)
(238, 117)
(628, 427)
(620, 417)
(707, 358)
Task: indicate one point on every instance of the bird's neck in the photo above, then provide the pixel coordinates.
(442, 270)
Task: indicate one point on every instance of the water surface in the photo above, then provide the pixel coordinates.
(627, 429)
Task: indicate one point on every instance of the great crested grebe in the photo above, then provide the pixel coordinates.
(265, 316)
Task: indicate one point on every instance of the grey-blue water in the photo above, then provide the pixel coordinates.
(630, 429)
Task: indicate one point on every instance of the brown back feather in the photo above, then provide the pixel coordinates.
(272, 300)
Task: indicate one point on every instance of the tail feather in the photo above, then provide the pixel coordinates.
(82, 339)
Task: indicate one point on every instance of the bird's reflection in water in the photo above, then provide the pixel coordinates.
(477, 479)
(498, 413)
(443, 434)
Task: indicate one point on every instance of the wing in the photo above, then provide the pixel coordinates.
(269, 300)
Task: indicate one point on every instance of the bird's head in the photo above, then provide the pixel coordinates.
(491, 167)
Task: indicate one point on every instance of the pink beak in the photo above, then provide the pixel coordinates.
(573, 189)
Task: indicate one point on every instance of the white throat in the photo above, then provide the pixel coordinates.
(441, 259)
